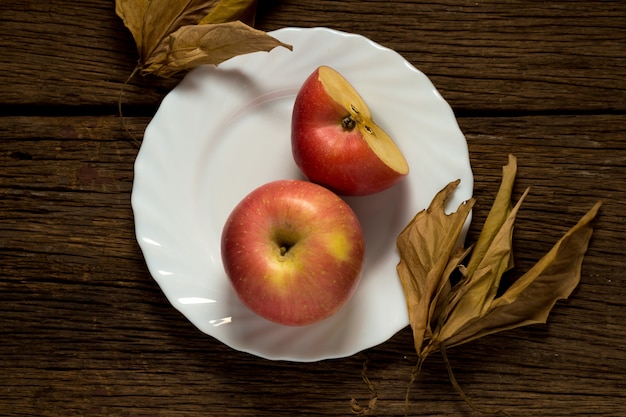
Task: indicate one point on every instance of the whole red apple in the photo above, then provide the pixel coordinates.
(336, 143)
(293, 251)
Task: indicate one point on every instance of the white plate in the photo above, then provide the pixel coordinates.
(224, 131)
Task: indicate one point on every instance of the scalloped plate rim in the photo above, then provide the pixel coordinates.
(151, 207)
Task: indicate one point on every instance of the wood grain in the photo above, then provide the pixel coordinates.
(511, 56)
(87, 332)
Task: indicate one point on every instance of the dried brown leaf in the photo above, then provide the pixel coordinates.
(426, 245)
(191, 46)
(531, 298)
(228, 11)
(473, 298)
(500, 210)
(151, 21)
(132, 13)
(442, 296)
(177, 35)
(443, 316)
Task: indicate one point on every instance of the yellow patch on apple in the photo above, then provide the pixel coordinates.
(338, 245)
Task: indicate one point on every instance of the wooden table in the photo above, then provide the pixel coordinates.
(85, 329)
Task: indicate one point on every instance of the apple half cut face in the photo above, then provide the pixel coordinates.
(293, 251)
(335, 141)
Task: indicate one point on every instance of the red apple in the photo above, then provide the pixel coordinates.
(336, 143)
(293, 251)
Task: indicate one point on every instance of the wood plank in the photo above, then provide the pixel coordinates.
(86, 331)
(514, 56)
(488, 55)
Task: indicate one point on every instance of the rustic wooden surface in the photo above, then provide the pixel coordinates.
(87, 332)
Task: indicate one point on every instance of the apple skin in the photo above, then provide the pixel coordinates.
(329, 154)
(293, 251)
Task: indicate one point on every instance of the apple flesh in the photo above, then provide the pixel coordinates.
(293, 251)
(336, 143)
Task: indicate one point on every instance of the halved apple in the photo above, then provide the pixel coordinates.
(336, 143)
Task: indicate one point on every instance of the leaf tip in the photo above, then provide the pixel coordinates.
(596, 207)
(512, 159)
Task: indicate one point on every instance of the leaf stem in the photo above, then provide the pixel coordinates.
(460, 391)
(414, 374)
(371, 406)
(119, 104)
